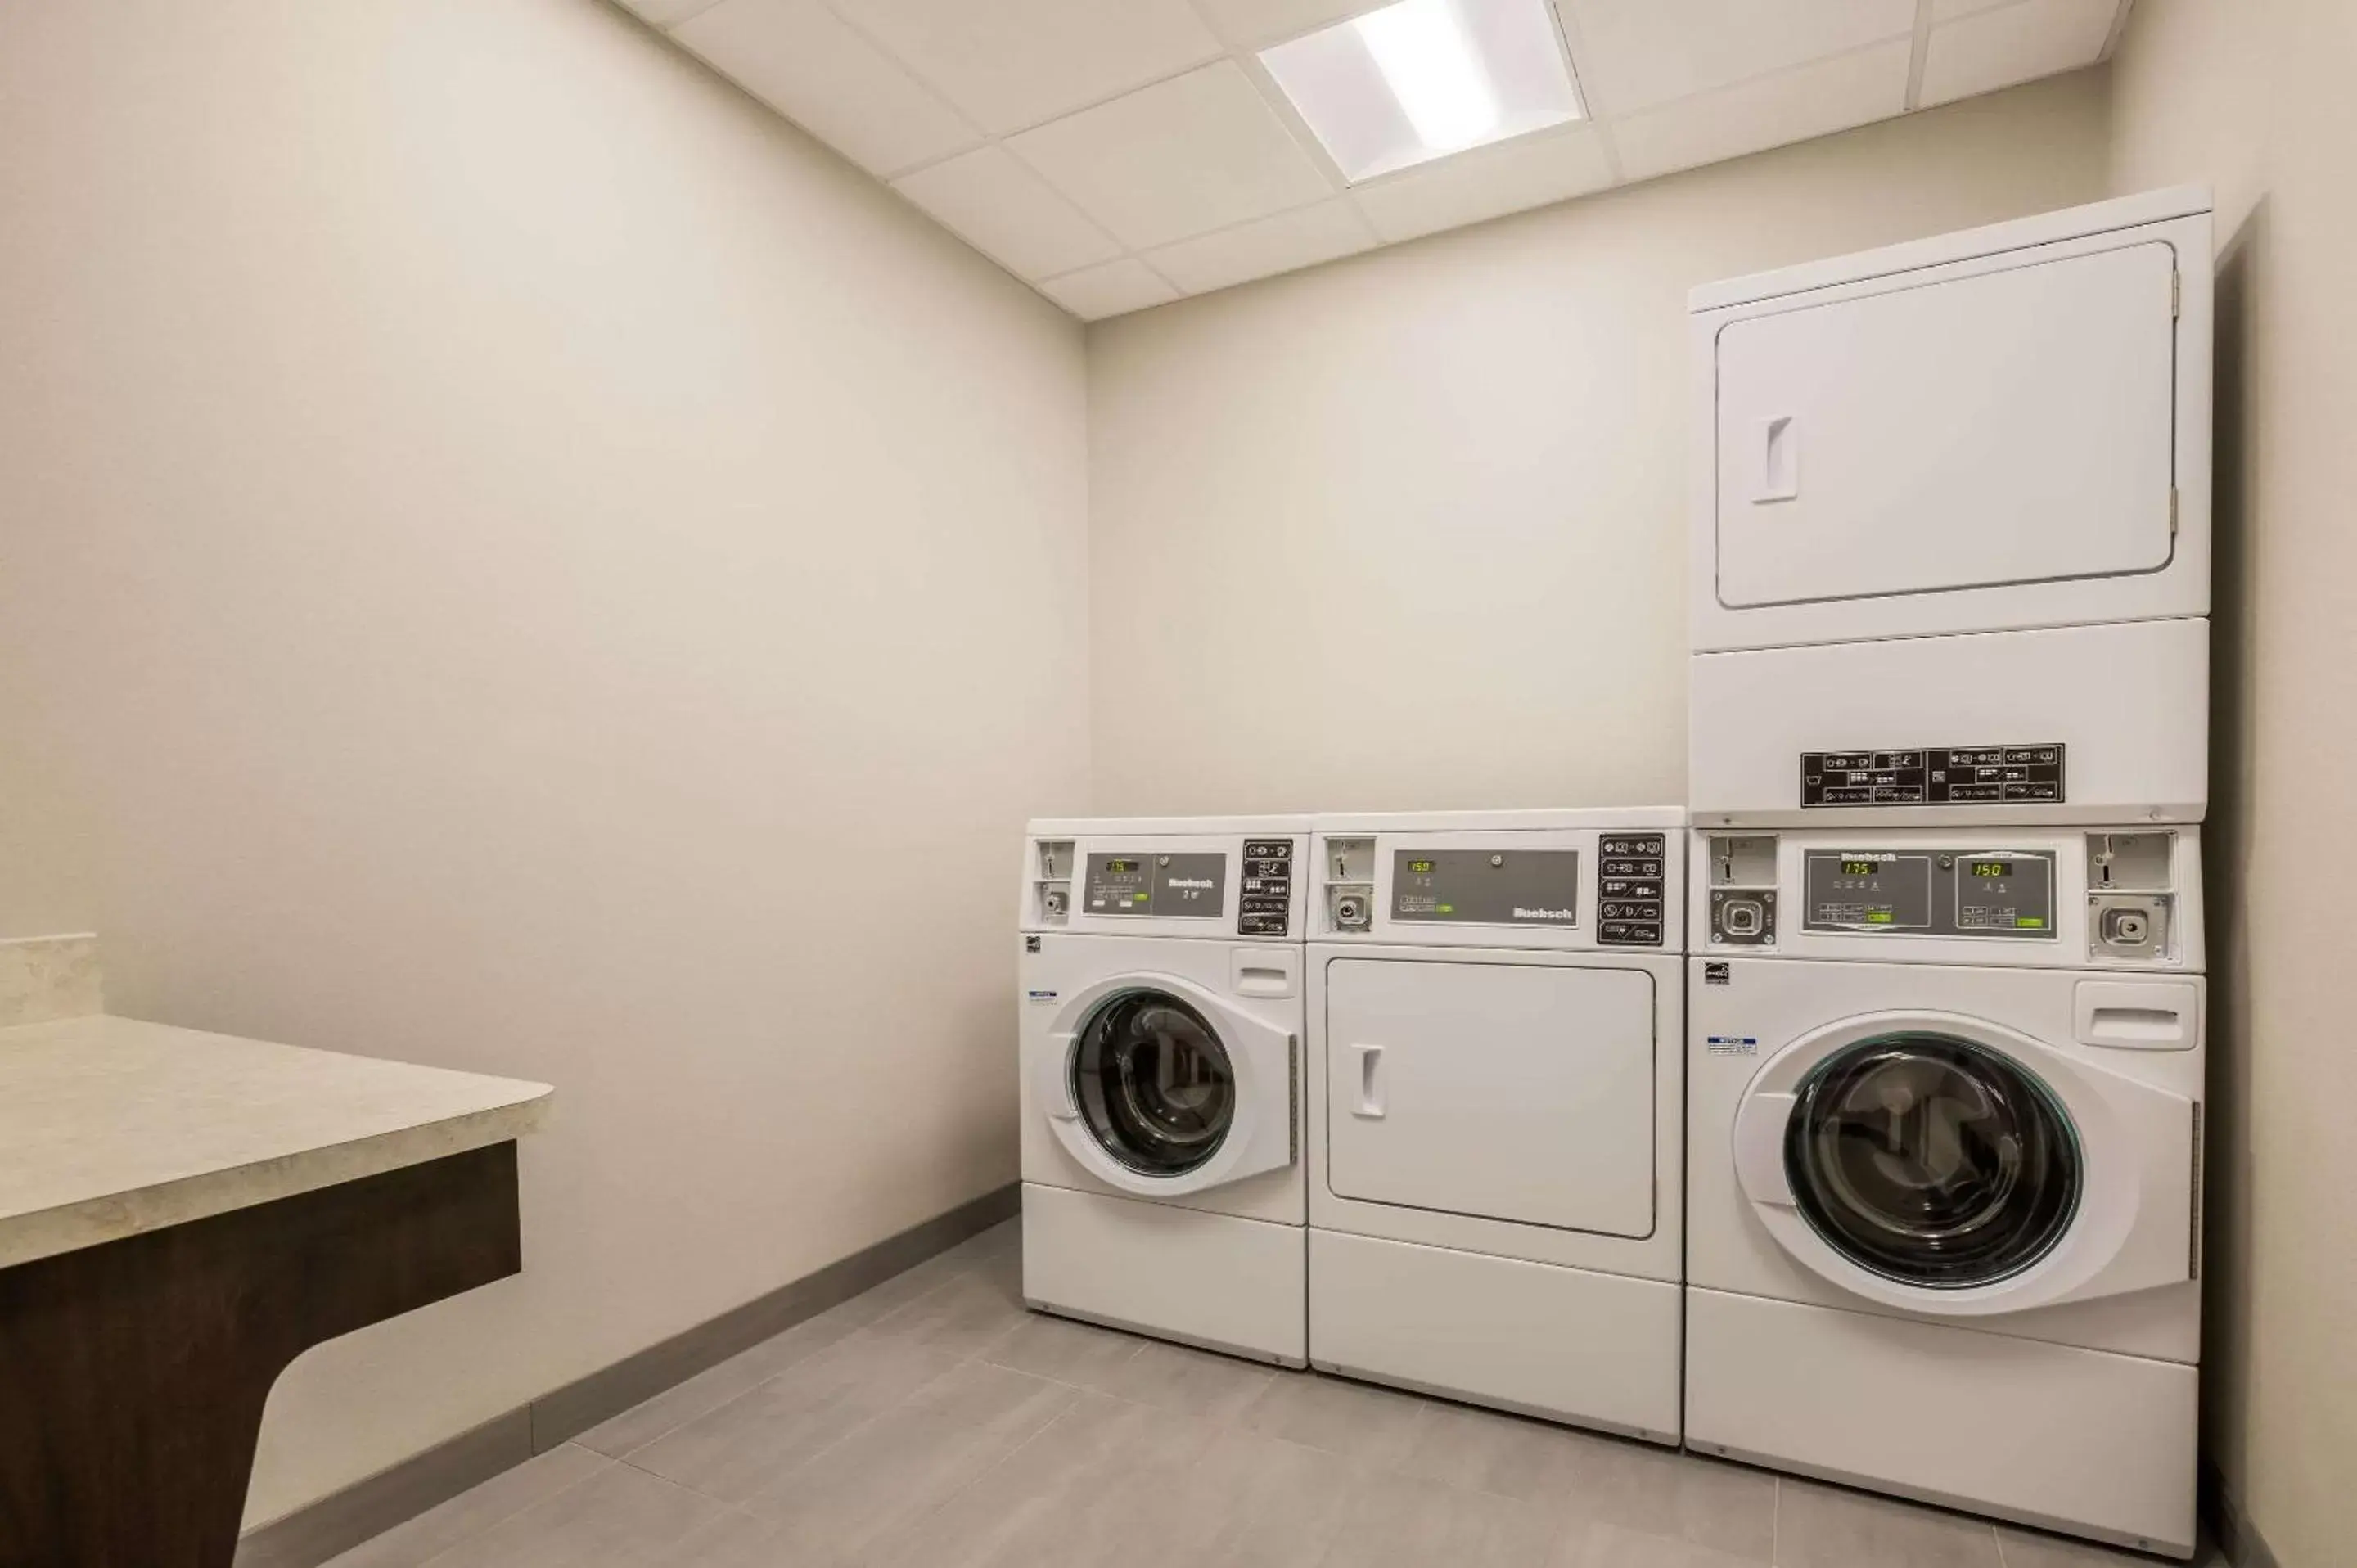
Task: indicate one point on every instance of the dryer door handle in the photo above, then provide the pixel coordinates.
(1759, 1124)
(1055, 1078)
(1371, 1083)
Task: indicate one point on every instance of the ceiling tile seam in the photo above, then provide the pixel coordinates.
(1574, 46)
(692, 13)
(1611, 153)
(851, 25)
(1780, 72)
(979, 249)
(1197, 63)
(1918, 57)
(2119, 30)
(1234, 46)
(1289, 116)
(1172, 284)
(1563, 37)
(1374, 236)
(1126, 248)
(1086, 219)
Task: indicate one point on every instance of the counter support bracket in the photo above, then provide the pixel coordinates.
(133, 1373)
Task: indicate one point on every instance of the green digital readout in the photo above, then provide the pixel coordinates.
(1992, 868)
(1119, 867)
(1860, 868)
(1419, 869)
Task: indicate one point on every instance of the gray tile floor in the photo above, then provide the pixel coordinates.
(933, 1423)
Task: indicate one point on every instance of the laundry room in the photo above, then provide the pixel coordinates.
(806, 783)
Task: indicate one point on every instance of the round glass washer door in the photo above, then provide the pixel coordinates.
(1153, 1082)
(1933, 1160)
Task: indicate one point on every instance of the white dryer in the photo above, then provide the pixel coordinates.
(1495, 1109)
(1161, 1002)
(1943, 1218)
(1951, 528)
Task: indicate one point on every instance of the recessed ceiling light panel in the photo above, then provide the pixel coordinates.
(1421, 79)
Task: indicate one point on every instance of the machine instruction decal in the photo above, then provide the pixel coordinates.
(1934, 775)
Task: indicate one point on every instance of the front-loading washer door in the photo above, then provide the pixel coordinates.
(1931, 1161)
(1521, 1092)
(1161, 1089)
(1154, 1084)
(1955, 1167)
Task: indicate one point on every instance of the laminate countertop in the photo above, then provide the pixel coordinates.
(110, 1127)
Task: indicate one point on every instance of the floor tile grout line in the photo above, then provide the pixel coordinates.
(814, 1353)
(474, 1535)
(1776, 1522)
(956, 1274)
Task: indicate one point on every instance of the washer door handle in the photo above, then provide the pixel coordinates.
(1371, 1087)
(1759, 1126)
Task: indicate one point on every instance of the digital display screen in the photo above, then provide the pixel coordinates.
(1419, 869)
(1992, 868)
(1859, 868)
(1120, 867)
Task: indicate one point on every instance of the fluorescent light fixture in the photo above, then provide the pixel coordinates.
(1421, 79)
(1428, 63)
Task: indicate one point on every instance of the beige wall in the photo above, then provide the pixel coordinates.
(1444, 484)
(520, 560)
(2252, 96)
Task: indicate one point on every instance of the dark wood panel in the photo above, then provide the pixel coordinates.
(133, 1375)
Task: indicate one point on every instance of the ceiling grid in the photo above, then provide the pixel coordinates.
(1120, 154)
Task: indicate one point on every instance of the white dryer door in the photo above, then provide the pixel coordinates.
(1501, 1090)
(2011, 427)
(1948, 1165)
(1161, 1089)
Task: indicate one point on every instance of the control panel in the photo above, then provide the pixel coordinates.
(1267, 895)
(2128, 898)
(1486, 887)
(1632, 891)
(1930, 891)
(1185, 886)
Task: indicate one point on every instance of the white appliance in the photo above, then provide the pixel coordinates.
(1161, 1002)
(1951, 528)
(1495, 1092)
(1944, 1208)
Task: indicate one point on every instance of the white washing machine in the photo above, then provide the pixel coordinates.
(1495, 1092)
(1161, 1001)
(1943, 1222)
(1951, 528)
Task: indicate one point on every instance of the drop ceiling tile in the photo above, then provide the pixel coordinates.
(1176, 159)
(1489, 183)
(667, 13)
(797, 57)
(1791, 106)
(1251, 23)
(1094, 292)
(1009, 64)
(992, 199)
(1996, 49)
(1301, 237)
(1635, 54)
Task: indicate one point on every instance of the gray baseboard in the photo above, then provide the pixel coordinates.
(336, 1523)
(2236, 1536)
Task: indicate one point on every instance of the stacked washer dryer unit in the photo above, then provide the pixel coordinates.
(1160, 992)
(1949, 744)
(1495, 1103)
